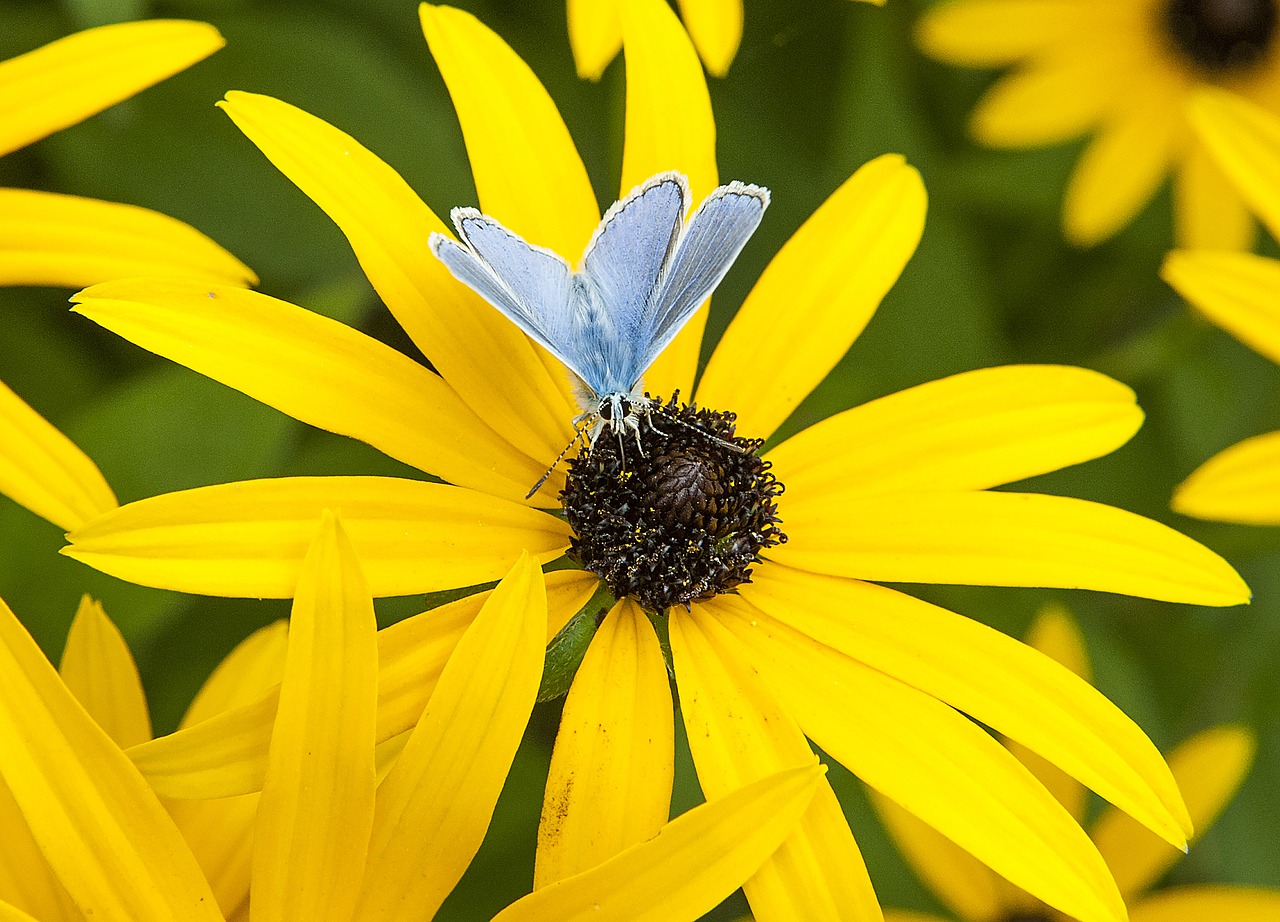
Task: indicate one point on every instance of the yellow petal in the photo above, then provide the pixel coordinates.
(1209, 901)
(387, 226)
(226, 754)
(964, 884)
(595, 35)
(716, 29)
(247, 539)
(26, 880)
(1055, 634)
(99, 671)
(1052, 100)
(989, 33)
(1237, 291)
(685, 870)
(932, 761)
(317, 370)
(993, 678)
(1210, 768)
(44, 471)
(528, 173)
(1122, 167)
(669, 126)
(10, 913)
(1208, 211)
(970, 431)
(816, 296)
(220, 832)
(1002, 539)
(738, 734)
(1244, 140)
(98, 824)
(64, 240)
(66, 81)
(435, 805)
(611, 772)
(1239, 484)
(316, 808)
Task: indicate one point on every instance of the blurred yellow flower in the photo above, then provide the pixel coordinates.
(1209, 768)
(595, 32)
(50, 239)
(327, 838)
(896, 490)
(1121, 70)
(1240, 292)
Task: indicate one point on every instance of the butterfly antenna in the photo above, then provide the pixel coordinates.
(711, 436)
(577, 436)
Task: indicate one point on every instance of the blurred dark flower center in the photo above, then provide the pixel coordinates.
(1221, 35)
(681, 522)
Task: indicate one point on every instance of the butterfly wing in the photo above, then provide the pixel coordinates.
(530, 285)
(711, 241)
(621, 271)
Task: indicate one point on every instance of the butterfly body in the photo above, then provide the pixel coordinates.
(642, 276)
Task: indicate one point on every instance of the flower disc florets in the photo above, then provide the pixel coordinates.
(1221, 35)
(682, 521)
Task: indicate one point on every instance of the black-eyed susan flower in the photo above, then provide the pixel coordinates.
(333, 835)
(1120, 70)
(1240, 292)
(52, 239)
(595, 32)
(895, 490)
(1209, 768)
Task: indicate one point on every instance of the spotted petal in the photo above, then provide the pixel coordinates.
(609, 785)
(685, 870)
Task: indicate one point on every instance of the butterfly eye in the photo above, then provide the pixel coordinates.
(606, 410)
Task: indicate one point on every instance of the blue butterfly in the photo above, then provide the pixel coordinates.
(644, 274)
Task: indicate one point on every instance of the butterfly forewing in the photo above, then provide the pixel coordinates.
(622, 268)
(529, 285)
(714, 237)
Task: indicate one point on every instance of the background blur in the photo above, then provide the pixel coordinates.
(818, 88)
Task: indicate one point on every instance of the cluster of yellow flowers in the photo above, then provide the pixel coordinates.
(334, 771)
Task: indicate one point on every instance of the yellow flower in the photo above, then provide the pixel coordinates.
(327, 838)
(896, 490)
(1121, 70)
(1241, 293)
(50, 239)
(1209, 768)
(595, 32)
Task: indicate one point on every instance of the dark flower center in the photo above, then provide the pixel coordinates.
(1221, 35)
(682, 521)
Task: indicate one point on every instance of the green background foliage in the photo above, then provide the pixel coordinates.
(818, 88)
